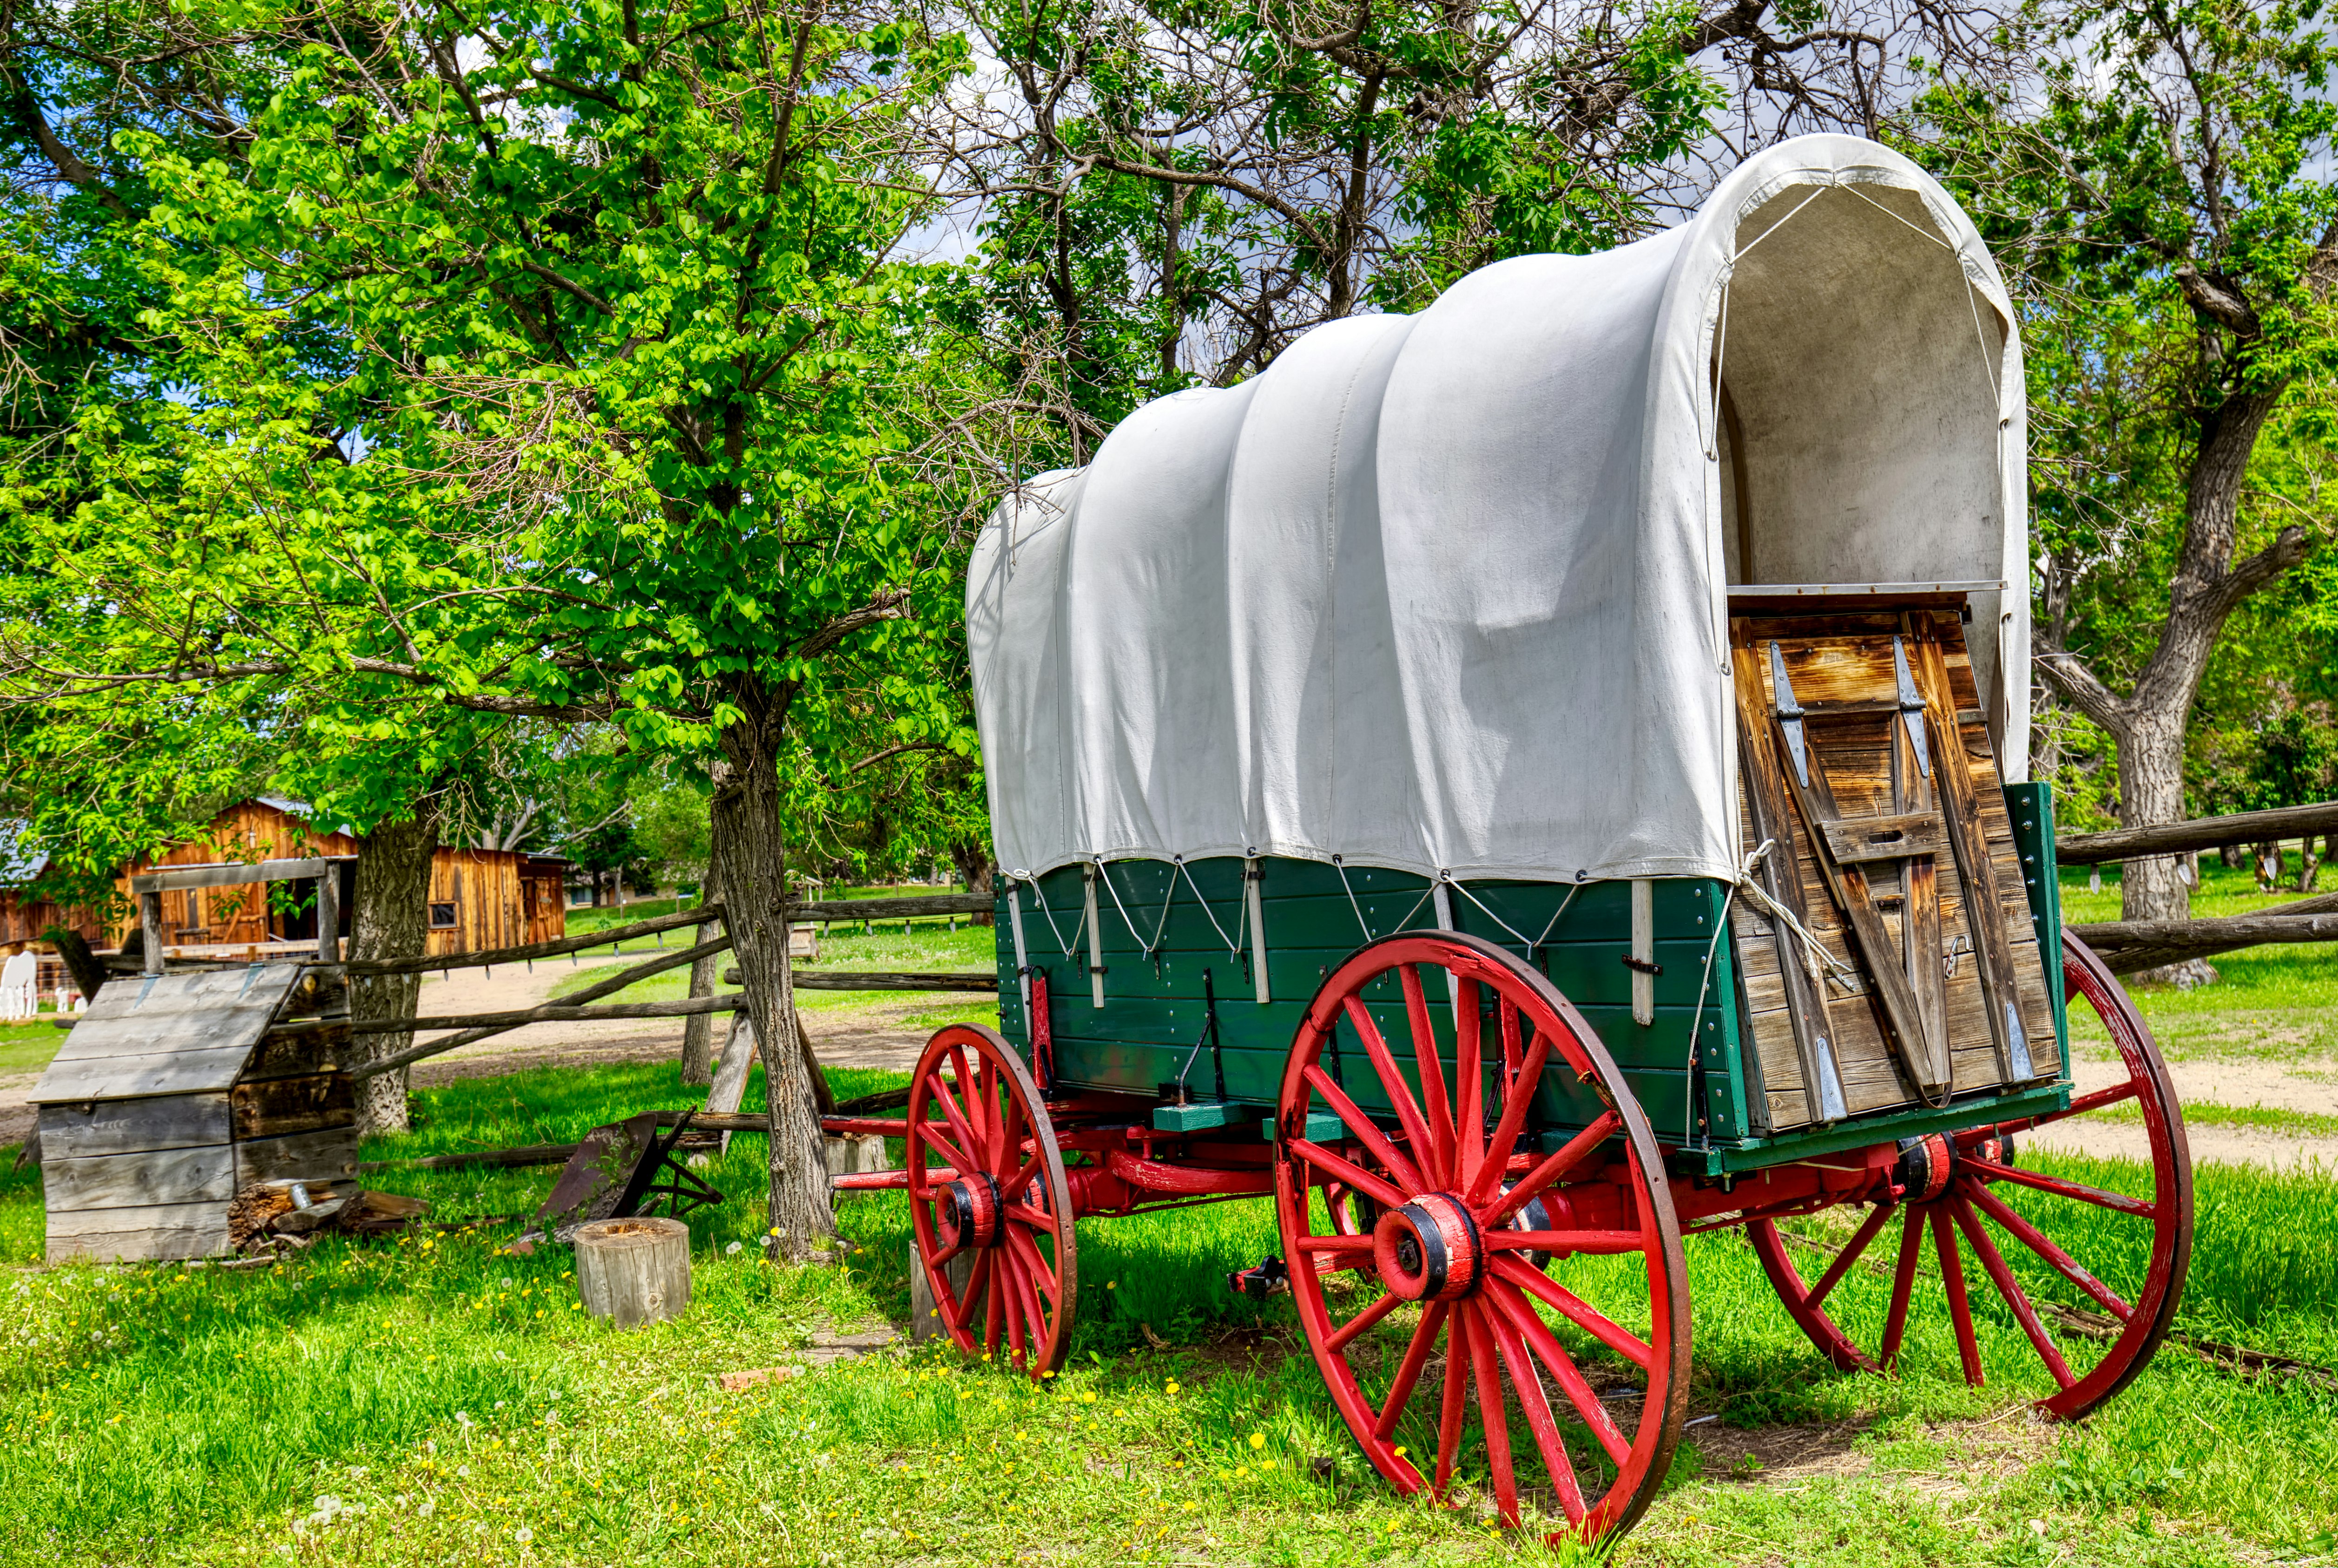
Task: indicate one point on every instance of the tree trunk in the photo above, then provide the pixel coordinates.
(389, 920)
(748, 835)
(976, 870)
(698, 1033)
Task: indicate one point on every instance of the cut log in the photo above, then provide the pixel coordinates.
(633, 1272)
(925, 1317)
(2131, 947)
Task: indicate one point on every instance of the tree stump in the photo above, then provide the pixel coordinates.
(633, 1272)
(925, 1317)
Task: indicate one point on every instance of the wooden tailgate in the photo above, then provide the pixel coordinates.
(1865, 759)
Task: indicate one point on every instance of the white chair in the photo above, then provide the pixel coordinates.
(20, 988)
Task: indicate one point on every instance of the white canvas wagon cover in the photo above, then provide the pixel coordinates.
(1447, 592)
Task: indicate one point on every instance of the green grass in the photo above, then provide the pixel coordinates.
(926, 947)
(2271, 1003)
(168, 1415)
(27, 1047)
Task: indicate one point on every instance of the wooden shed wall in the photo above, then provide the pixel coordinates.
(496, 897)
(23, 919)
(249, 830)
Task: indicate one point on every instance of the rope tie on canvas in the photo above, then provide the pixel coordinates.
(1242, 921)
(1159, 929)
(1370, 936)
(1071, 948)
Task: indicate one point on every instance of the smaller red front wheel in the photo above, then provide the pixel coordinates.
(989, 1201)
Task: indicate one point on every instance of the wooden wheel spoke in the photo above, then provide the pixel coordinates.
(958, 1164)
(1576, 1311)
(1438, 1159)
(1347, 1170)
(967, 1143)
(1599, 1241)
(1028, 1283)
(1849, 1255)
(1528, 1381)
(1903, 1285)
(1346, 1333)
(1408, 1372)
(1352, 1117)
(1399, 1093)
(942, 1258)
(2079, 1105)
(1354, 1247)
(977, 1279)
(1993, 1170)
(1033, 1264)
(1457, 1392)
(1024, 1215)
(1561, 1161)
(1494, 1416)
(994, 1125)
(1011, 1289)
(993, 1294)
(1468, 1082)
(1952, 1276)
(1022, 1179)
(1517, 1098)
(2029, 1236)
(1993, 1264)
(1527, 1324)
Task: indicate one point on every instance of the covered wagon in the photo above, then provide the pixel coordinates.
(1520, 784)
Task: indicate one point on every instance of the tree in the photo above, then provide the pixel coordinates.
(2159, 187)
(1172, 193)
(613, 294)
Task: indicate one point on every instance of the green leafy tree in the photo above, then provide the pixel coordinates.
(613, 296)
(2159, 186)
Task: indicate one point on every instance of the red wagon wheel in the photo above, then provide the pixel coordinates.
(1442, 1177)
(1954, 1183)
(987, 1183)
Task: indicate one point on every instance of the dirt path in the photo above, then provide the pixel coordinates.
(2309, 1085)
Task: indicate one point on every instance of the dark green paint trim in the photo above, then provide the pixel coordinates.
(2031, 807)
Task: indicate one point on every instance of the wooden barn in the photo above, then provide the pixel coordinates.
(175, 1091)
(478, 899)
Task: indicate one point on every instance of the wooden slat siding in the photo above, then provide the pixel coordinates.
(153, 1233)
(282, 1106)
(293, 1050)
(141, 1180)
(131, 1126)
(23, 919)
(484, 886)
(247, 830)
(1861, 778)
(329, 1153)
(168, 1034)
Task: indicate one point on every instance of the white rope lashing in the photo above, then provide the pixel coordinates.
(1150, 948)
(1071, 949)
(1370, 936)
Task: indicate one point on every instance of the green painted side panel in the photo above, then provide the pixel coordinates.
(2031, 807)
(1173, 937)
(1164, 955)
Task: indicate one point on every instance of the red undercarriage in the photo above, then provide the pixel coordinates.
(1130, 1167)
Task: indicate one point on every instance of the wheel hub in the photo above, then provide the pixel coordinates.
(1429, 1250)
(970, 1213)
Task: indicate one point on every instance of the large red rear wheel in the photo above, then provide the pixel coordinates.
(2066, 1234)
(1418, 1288)
(989, 1201)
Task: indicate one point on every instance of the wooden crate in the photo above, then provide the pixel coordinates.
(174, 1092)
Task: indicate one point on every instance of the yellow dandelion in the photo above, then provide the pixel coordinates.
(1258, 1439)
(1087, 1397)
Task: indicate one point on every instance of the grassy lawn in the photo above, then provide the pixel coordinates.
(925, 947)
(2273, 1004)
(27, 1047)
(430, 1400)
